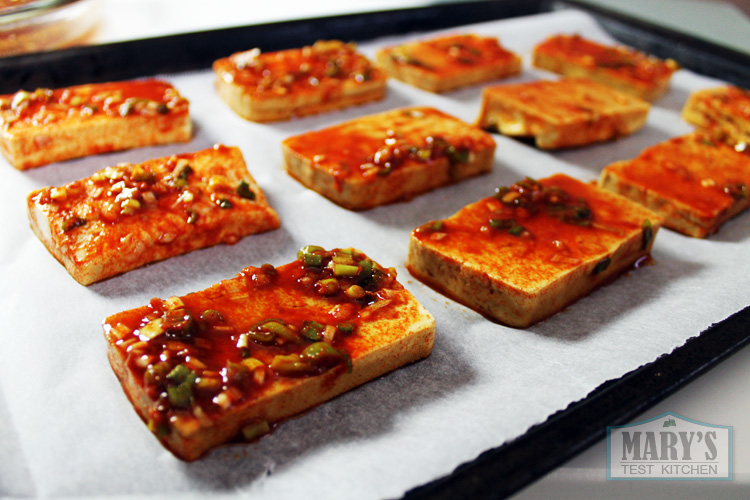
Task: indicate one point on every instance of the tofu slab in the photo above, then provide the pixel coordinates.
(272, 342)
(564, 113)
(129, 215)
(388, 157)
(449, 62)
(46, 126)
(325, 76)
(722, 112)
(694, 182)
(532, 249)
(623, 68)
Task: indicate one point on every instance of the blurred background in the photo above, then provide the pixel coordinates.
(34, 25)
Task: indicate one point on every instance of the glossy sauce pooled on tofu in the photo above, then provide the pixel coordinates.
(538, 228)
(200, 354)
(371, 147)
(451, 55)
(304, 70)
(623, 62)
(42, 107)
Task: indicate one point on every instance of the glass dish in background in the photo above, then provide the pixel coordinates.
(36, 25)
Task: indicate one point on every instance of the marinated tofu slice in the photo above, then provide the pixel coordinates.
(46, 126)
(722, 112)
(230, 361)
(694, 182)
(531, 249)
(128, 215)
(449, 62)
(563, 113)
(623, 68)
(388, 157)
(272, 86)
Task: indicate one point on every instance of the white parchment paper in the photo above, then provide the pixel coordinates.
(66, 428)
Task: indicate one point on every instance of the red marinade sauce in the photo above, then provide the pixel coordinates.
(537, 228)
(623, 61)
(166, 186)
(149, 97)
(730, 100)
(373, 146)
(302, 70)
(702, 173)
(454, 54)
(223, 344)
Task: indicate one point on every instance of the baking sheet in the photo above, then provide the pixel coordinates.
(66, 429)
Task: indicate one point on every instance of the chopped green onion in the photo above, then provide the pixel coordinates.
(602, 266)
(180, 396)
(262, 337)
(322, 354)
(179, 374)
(342, 258)
(207, 385)
(310, 255)
(327, 287)
(126, 108)
(212, 317)
(648, 234)
(192, 217)
(185, 172)
(501, 223)
(268, 268)
(251, 432)
(243, 190)
(312, 330)
(152, 329)
(278, 327)
(160, 429)
(501, 191)
(140, 174)
(291, 366)
(457, 155)
(355, 292)
(252, 363)
(72, 222)
(345, 328)
(737, 191)
(236, 372)
(155, 374)
(268, 330)
(178, 322)
(340, 270)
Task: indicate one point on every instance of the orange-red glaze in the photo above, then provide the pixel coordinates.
(289, 293)
(451, 55)
(546, 246)
(326, 64)
(128, 215)
(567, 100)
(134, 193)
(45, 106)
(692, 169)
(373, 145)
(727, 103)
(624, 62)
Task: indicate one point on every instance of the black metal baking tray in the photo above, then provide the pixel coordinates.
(500, 471)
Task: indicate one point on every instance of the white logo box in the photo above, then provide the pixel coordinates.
(669, 447)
